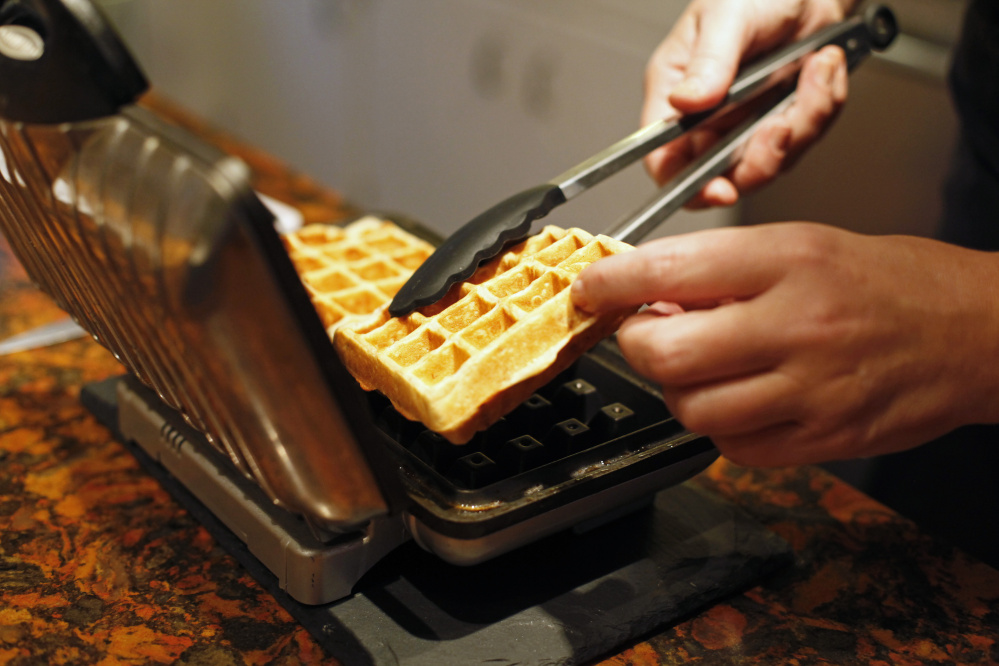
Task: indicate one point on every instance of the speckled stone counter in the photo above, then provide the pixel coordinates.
(99, 565)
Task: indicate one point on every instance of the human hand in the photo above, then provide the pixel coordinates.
(798, 343)
(694, 66)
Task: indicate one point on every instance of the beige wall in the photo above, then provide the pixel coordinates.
(881, 167)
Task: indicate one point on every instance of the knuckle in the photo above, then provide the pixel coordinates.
(742, 453)
(809, 245)
(660, 261)
(651, 359)
(822, 109)
(691, 412)
(755, 170)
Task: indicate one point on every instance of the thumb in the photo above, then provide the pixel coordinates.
(714, 61)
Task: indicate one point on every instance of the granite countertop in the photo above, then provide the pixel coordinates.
(99, 564)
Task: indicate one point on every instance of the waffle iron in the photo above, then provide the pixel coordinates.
(157, 245)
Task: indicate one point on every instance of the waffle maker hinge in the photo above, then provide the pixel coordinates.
(312, 565)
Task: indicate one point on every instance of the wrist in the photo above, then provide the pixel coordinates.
(980, 352)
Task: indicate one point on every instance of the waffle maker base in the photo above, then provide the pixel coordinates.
(566, 599)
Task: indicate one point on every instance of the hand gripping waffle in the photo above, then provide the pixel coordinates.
(462, 363)
(352, 271)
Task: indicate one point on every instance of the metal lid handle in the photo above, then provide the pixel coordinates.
(60, 61)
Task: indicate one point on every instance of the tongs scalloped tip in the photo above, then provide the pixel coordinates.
(481, 239)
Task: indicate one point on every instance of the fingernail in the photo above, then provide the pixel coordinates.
(578, 293)
(827, 70)
(691, 87)
(840, 84)
(665, 309)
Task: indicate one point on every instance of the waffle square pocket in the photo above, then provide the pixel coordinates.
(352, 271)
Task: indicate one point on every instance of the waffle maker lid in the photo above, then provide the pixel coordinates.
(157, 245)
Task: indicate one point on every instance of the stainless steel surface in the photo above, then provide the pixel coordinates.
(147, 236)
(42, 336)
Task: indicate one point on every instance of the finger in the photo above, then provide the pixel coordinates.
(763, 157)
(663, 308)
(775, 147)
(714, 62)
(719, 192)
(793, 442)
(743, 404)
(667, 162)
(690, 71)
(821, 93)
(664, 163)
(695, 348)
(666, 69)
(777, 445)
(712, 265)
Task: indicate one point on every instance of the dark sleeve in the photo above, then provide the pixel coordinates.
(971, 195)
(975, 80)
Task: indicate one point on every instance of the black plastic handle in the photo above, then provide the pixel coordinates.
(882, 26)
(60, 62)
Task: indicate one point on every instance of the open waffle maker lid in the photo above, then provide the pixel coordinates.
(156, 244)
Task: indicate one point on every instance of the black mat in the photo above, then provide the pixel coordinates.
(567, 599)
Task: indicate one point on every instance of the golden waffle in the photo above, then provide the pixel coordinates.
(352, 271)
(462, 363)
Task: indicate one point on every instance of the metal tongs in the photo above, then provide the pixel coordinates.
(510, 221)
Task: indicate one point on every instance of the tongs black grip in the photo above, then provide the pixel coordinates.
(510, 220)
(60, 62)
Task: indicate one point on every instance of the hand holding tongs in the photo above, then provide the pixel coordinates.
(510, 221)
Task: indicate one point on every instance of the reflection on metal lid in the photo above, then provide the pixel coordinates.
(20, 42)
